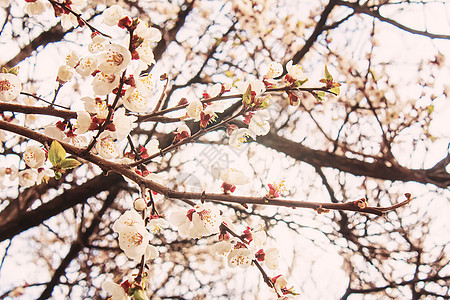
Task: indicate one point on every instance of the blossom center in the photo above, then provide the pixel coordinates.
(5, 85)
(116, 58)
(135, 238)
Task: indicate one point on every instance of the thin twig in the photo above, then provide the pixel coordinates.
(78, 15)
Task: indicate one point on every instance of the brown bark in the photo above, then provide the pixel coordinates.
(24, 220)
(354, 166)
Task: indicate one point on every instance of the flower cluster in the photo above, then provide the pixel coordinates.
(280, 283)
(202, 220)
(243, 250)
(68, 11)
(34, 157)
(134, 237)
(257, 125)
(107, 64)
(207, 111)
(115, 71)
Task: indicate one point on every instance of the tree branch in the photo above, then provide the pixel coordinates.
(11, 226)
(376, 14)
(79, 244)
(320, 27)
(353, 166)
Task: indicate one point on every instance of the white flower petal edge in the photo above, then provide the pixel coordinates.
(10, 87)
(114, 289)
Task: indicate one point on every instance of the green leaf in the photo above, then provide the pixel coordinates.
(264, 102)
(335, 90)
(430, 109)
(328, 76)
(56, 153)
(69, 163)
(319, 95)
(247, 97)
(299, 83)
(14, 70)
(139, 294)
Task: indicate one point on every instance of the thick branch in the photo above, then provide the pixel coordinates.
(54, 34)
(434, 278)
(78, 244)
(9, 227)
(38, 110)
(353, 166)
(320, 27)
(376, 14)
(161, 47)
(131, 174)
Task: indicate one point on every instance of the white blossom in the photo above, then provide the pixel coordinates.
(194, 109)
(215, 90)
(152, 147)
(239, 137)
(86, 66)
(258, 238)
(221, 248)
(146, 53)
(155, 225)
(11, 172)
(96, 106)
(202, 220)
(35, 8)
(258, 125)
(34, 156)
(151, 252)
(4, 3)
(134, 101)
(275, 70)
(139, 204)
(234, 177)
(279, 284)
(206, 219)
(54, 132)
(89, 104)
(98, 44)
(182, 222)
(133, 236)
(149, 34)
(65, 74)
(112, 15)
(114, 289)
(72, 59)
(123, 124)
(271, 258)
(77, 140)
(10, 87)
(2, 136)
(106, 147)
(103, 84)
(114, 60)
(240, 257)
(183, 128)
(44, 176)
(27, 178)
(295, 71)
(69, 20)
(159, 178)
(144, 84)
(79, 2)
(83, 122)
(257, 86)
